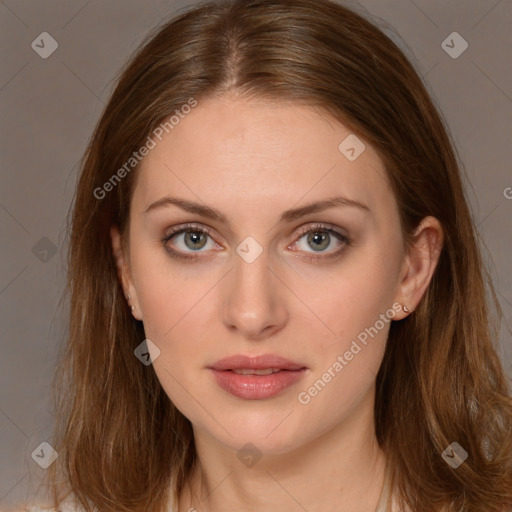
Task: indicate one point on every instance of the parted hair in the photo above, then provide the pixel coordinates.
(122, 444)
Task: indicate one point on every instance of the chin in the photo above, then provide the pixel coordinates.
(272, 432)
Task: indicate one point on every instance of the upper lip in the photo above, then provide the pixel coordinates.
(261, 362)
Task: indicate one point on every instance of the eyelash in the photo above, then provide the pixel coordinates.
(324, 228)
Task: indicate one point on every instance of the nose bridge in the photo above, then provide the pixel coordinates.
(253, 303)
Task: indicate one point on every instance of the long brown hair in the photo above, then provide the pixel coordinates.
(122, 444)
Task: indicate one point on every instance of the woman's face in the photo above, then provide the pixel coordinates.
(258, 284)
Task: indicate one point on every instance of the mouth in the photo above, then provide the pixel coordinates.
(269, 363)
(256, 377)
(252, 371)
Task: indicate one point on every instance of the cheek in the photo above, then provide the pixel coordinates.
(346, 365)
(358, 309)
(177, 305)
(359, 291)
(168, 293)
(175, 316)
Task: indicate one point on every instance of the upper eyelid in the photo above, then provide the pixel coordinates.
(326, 226)
(188, 227)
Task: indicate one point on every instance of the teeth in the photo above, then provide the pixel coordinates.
(268, 371)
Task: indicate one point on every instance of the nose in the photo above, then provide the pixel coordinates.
(254, 303)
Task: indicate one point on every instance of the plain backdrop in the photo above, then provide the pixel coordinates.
(49, 107)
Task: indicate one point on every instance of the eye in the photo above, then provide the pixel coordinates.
(320, 237)
(194, 239)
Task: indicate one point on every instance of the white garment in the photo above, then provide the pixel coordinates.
(64, 507)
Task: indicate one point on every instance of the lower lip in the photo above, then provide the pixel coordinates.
(256, 387)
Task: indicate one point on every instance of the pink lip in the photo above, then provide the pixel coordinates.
(256, 387)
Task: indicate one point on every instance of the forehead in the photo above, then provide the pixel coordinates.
(253, 154)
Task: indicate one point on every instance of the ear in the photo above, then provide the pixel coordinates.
(420, 263)
(124, 272)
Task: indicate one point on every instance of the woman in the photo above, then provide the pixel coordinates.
(277, 297)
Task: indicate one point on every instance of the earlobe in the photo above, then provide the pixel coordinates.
(123, 271)
(421, 262)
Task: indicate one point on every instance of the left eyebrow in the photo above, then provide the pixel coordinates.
(286, 216)
(296, 213)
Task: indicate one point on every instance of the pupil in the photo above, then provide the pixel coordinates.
(317, 237)
(194, 237)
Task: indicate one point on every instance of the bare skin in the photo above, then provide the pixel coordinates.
(251, 161)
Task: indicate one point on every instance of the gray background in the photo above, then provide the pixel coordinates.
(50, 106)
